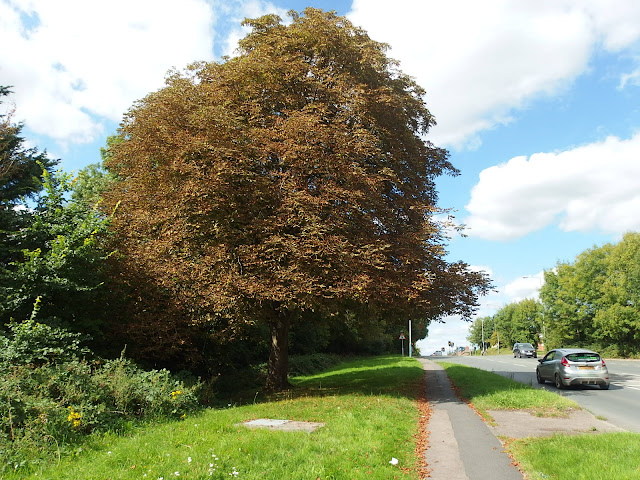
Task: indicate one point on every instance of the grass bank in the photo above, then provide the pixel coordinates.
(368, 407)
(489, 391)
(606, 456)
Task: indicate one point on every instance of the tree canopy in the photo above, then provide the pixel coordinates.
(294, 177)
(595, 300)
(20, 167)
(20, 179)
(49, 244)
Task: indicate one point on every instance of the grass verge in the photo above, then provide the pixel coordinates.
(606, 456)
(368, 406)
(489, 391)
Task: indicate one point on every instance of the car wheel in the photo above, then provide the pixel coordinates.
(558, 381)
(604, 386)
(539, 378)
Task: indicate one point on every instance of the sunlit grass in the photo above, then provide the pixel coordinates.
(489, 391)
(368, 407)
(606, 456)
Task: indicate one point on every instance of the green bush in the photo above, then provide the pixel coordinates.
(310, 364)
(51, 398)
(30, 342)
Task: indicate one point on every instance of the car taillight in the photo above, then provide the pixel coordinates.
(603, 364)
(564, 362)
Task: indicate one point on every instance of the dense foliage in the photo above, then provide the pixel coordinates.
(54, 392)
(61, 262)
(290, 182)
(49, 245)
(20, 179)
(596, 299)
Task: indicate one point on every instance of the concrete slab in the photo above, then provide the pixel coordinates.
(283, 425)
(521, 423)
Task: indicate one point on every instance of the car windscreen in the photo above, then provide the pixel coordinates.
(525, 345)
(583, 357)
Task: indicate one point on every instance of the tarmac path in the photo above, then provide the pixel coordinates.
(461, 444)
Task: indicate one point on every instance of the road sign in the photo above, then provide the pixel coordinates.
(401, 337)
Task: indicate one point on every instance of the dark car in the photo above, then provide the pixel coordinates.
(573, 366)
(524, 350)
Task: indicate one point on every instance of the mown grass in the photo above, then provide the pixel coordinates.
(607, 456)
(368, 407)
(489, 391)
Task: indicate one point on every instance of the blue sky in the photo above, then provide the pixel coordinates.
(538, 102)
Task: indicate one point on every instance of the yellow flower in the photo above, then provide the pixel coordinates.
(176, 393)
(74, 417)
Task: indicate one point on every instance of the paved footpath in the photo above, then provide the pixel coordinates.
(461, 445)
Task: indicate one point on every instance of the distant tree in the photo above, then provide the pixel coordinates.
(481, 328)
(519, 322)
(617, 319)
(572, 296)
(290, 179)
(527, 321)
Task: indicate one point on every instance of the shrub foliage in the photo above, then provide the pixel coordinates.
(53, 393)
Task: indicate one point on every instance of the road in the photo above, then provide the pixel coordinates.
(618, 405)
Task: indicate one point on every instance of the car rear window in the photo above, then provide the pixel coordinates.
(583, 357)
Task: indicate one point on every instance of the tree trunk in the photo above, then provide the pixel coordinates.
(279, 352)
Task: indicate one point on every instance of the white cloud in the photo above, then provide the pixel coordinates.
(76, 63)
(481, 61)
(453, 330)
(523, 287)
(592, 187)
(632, 78)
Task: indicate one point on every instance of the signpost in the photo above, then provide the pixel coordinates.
(402, 337)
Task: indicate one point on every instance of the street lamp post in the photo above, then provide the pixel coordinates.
(482, 320)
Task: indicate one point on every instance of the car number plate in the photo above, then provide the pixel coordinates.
(585, 368)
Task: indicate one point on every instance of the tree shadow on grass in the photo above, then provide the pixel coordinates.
(386, 375)
(374, 376)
